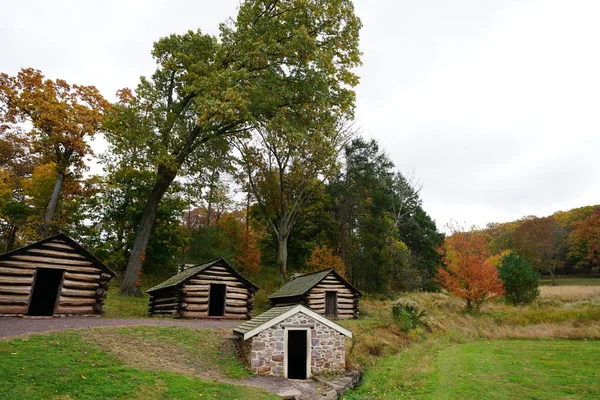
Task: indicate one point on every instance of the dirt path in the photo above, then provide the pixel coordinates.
(10, 327)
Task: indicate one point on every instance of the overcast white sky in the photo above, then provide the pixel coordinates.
(494, 103)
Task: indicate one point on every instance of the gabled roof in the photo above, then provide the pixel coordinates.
(302, 284)
(277, 314)
(191, 271)
(61, 236)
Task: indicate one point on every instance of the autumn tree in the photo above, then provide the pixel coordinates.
(16, 167)
(278, 60)
(585, 241)
(323, 257)
(62, 118)
(543, 242)
(469, 270)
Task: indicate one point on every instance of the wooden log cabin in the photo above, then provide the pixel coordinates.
(325, 292)
(210, 290)
(53, 277)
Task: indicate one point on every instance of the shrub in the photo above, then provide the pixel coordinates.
(519, 279)
(407, 314)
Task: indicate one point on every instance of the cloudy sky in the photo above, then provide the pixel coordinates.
(495, 104)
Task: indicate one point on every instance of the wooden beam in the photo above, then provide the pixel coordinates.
(78, 293)
(6, 309)
(16, 271)
(208, 282)
(75, 301)
(233, 302)
(77, 276)
(67, 283)
(15, 289)
(13, 300)
(196, 300)
(231, 295)
(54, 254)
(51, 260)
(215, 277)
(74, 310)
(16, 280)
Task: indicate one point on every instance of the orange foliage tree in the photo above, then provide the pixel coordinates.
(470, 269)
(62, 117)
(247, 254)
(322, 257)
(585, 240)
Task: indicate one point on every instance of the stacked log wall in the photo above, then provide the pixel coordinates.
(347, 299)
(239, 299)
(82, 290)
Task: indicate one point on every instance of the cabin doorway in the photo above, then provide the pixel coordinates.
(297, 354)
(45, 291)
(331, 304)
(216, 300)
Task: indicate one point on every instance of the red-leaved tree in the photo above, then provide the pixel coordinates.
(469, 270)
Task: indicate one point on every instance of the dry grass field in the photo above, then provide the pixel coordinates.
(399, 364)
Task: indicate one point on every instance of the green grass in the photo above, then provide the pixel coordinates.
(203, 352)
(500, 369)
(118, 306)
(67, 366)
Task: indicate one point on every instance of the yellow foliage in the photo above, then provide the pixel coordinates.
(322, 257)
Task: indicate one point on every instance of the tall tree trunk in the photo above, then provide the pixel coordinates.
(44, 230)
(248, 212)
(282, 254)
(12, 237)
(133, 273)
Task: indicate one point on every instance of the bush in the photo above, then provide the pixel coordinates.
(407, 314)
(520, 280)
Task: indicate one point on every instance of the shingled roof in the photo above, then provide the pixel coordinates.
(189, 272)
(302, 284)
(277, 314)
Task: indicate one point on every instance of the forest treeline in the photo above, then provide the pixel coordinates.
(240, 144)
(566, 242)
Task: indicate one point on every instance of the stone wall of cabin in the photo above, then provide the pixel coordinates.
(328, 348)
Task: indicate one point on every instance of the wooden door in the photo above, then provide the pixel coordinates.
(331, 304)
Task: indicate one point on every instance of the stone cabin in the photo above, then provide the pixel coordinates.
(213, 289)
(292, 341)
(325, 292)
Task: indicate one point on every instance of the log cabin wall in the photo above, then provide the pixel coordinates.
(83, 282)
(190, 298)
(347, 299)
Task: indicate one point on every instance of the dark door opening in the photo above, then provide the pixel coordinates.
(296, 351)
(216, 300)
(45, 291)
(331, 304)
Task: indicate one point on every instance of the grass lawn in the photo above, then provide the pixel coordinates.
(499, 369)
(118, 306)
(71, 365)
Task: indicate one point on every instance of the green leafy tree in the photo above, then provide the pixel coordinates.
(282, 61)
(285, 169)
(520, 281)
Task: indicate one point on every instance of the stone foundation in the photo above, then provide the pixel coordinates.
(328, 347)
